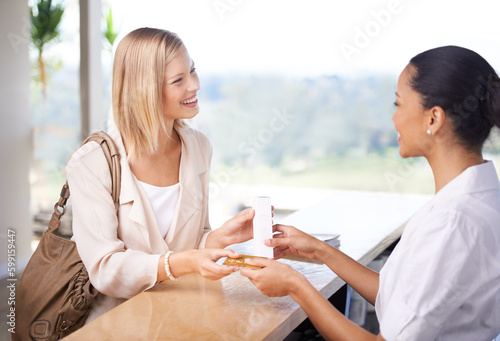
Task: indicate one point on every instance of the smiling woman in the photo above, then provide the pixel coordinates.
(138, 117)
(179, 92)
(408, 118)
(442, 281)
(162, 229)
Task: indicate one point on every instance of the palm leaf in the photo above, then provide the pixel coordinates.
(44, 29)
(110, 34)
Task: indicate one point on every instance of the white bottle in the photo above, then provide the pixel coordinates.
(262, 227)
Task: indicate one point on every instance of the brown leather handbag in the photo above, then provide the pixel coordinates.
(54, 293)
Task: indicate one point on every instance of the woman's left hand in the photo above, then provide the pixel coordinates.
(275, 279)
(236, 230)
(239, 228)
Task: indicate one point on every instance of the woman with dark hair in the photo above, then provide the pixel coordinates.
(442, 281)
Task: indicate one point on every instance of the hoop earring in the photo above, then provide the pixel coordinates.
(429, 132)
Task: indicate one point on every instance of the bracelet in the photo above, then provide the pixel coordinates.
(167, 267)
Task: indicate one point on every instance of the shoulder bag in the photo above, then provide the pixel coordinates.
(54, 294)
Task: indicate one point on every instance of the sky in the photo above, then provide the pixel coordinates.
(306, 38)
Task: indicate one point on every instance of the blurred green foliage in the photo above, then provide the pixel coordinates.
(110, 33)
(45, 21)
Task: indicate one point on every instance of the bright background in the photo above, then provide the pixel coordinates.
(325, 70)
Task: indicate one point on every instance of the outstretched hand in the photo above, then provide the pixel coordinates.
(205, 263)
(236, 230)
(239, 228)
(275, 279)
(292, 241)
(201, 261)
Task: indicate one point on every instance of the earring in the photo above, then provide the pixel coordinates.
(429, 132)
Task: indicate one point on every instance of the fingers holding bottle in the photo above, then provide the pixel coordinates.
(290, 240)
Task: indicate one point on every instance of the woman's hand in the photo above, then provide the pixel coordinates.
(236, 230)
(239, 229)
(292, 241)
(204, 263)
(199, 261)
(275, 279)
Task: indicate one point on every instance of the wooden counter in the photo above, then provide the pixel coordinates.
(193, 308)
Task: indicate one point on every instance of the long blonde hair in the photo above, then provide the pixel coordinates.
(138, 78)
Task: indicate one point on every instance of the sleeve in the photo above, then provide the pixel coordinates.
(435, 279)
(114, 270)
(206, 191)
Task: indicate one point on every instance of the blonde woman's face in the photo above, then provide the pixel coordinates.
(180, 88)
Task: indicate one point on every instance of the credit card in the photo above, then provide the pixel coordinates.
(240, 262)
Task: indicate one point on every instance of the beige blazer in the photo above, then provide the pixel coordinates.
(122, 253)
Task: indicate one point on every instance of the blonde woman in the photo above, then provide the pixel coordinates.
(162, 230)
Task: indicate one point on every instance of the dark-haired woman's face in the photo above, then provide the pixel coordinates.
(409, 118)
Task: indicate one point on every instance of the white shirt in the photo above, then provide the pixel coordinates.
(163, 201)
(442, 281)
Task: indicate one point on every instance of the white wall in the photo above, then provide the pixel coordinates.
(15, 140)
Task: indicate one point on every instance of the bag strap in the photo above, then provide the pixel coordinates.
(113, 158)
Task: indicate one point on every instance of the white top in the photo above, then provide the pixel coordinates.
(163, 201)
(442, 281)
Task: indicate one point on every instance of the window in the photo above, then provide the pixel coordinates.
(294, 94)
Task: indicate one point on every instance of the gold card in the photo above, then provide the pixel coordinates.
(241, 262)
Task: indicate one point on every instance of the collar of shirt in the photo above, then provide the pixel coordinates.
(474, 179)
